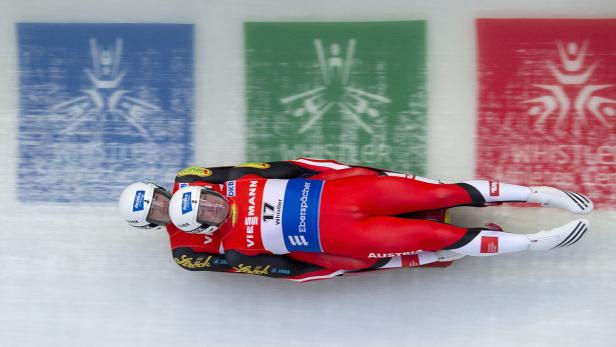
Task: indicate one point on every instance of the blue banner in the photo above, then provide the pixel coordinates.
(300, 215)
(101, 106)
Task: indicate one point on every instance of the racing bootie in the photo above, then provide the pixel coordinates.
(552, 197)
(562, 236)
(444, 255)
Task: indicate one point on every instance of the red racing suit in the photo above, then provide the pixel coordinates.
(351, 213)
(210, 252)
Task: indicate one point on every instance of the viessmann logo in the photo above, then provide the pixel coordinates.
(251, 219)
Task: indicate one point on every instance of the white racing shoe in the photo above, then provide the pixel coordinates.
(444, 255)
(563, 236)
(552, 197)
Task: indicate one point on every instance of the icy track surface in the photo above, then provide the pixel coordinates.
(105, 284)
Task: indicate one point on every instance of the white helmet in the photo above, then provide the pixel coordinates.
(145, 205)
(198, 210)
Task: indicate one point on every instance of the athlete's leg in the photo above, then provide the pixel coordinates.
(382, 236)
(387, 195)
(492, 191)
(478, 242)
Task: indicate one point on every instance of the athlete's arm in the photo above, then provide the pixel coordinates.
(277, 266)
(324, 166)
(332, 261)
(288, 169)
(200, 261)
(198, 175)
(353, 171)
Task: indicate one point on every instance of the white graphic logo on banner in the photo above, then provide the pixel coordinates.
(106, 100)
(335, 91)
(573, 70)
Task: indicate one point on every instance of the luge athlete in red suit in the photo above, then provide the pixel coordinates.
(144, 205)
(354, 212)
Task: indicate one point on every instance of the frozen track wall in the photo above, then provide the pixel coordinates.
(74, 274)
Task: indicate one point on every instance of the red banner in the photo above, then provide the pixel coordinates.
(547, 104)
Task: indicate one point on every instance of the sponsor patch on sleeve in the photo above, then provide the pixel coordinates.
(195, 171)
(255, 165)
(230, 188)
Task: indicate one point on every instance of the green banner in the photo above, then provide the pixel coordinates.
(353, 91)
